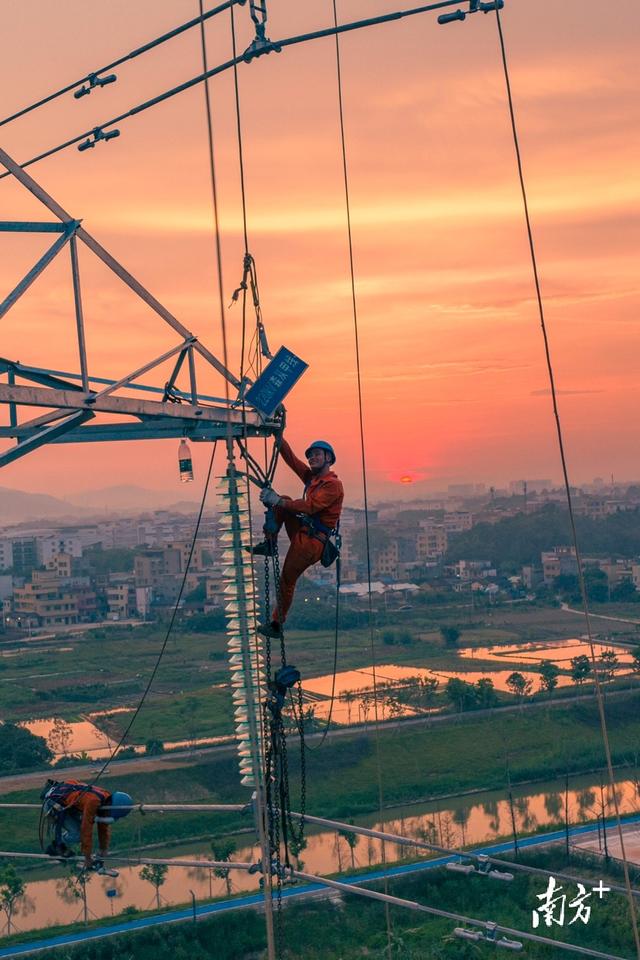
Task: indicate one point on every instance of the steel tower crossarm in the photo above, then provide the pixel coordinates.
(70, 405)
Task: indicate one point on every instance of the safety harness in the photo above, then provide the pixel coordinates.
(59, 820)
(329, 536)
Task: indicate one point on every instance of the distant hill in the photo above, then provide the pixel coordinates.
(130, 498)
(17, 506)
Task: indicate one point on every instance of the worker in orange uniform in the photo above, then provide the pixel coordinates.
(309, 521)
(72, 808)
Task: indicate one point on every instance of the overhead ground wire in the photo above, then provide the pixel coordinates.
(132, 55)
(274, 46)
(565, 473)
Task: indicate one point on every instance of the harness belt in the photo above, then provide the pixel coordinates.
(319, 530)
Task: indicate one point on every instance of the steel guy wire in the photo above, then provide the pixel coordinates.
(565, 470)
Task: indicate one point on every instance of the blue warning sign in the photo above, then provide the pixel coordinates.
(276, 380)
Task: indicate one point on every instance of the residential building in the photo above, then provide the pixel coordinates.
(557, 562)
(6, 554)
(202, 550)
(24, 555)
(467, 570)
(121, 597)
(150, 566)
(616, 570)
(60, 564)
(385, 560)
(214, 591)
(458, 521)
(51, 546)
(431, 540)
(45, 601)
(517, 487)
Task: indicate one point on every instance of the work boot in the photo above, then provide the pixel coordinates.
(264, 549)
(271, 630)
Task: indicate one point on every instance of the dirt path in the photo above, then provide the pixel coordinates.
(597, 616)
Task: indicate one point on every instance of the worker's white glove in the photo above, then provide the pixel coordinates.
(269, 497)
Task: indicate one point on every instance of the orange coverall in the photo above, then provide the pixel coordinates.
(89, 802)
(322, 498)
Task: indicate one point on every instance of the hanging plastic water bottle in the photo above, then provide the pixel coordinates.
(184, 462)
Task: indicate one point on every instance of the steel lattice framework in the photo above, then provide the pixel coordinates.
(73, 400)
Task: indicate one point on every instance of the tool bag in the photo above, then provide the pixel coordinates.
(330, 553)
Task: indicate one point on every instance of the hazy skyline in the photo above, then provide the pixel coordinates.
(454, 381)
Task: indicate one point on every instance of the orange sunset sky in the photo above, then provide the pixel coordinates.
(455, 386)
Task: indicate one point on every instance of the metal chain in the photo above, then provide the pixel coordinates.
(267, 616)
(283, 832)
(303, 765)
(276, 578)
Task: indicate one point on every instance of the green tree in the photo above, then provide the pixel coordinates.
(596, 585)
(112, 560)
(635, 662)
(486, 695)
(21, 749)
(12, 889)
(607, 665)
(519, 685)
(222, 849)
(450, 635)
(460, 694)
(427, 688)
(156, 875)
(567, 584)
(580, 669)
(548, 676)
(198, 593)
(154, 747)
(624, 592)
(521, 538)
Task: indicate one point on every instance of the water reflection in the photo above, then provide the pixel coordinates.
(465, 822)
(84, 737)
(400, 691)
(81, 736)
(560, 652)
(354, 689)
